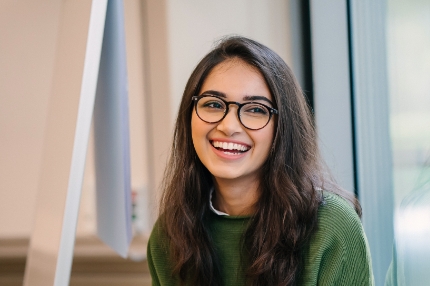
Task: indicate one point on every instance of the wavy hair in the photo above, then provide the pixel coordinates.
(288, 191)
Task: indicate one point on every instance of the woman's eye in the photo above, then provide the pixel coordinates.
(214, 104)
(256, 109)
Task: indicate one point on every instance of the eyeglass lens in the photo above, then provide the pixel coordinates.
(252, 115)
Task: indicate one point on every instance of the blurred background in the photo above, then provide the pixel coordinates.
(364, 67)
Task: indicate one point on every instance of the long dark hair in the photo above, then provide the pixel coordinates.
(289, 187)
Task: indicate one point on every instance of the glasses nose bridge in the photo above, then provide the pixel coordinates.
(235, 113)
(238, 105)
(228, 103)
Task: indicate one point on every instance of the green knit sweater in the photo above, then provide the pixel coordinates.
(337, 254)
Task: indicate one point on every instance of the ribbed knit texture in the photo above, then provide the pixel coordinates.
(337, 254)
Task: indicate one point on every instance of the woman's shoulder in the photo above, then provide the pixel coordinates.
(337, 211)
(158, 233)
(158, 240)
(158, 256)
(338, 221)
(338, 252)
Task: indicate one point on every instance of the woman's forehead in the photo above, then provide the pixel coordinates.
(228, 64)
(236, 78)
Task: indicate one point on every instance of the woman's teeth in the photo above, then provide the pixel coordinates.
(230, 146)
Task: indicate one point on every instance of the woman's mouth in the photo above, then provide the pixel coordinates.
(230, 147)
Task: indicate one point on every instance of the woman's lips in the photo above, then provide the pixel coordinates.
(229, 150)
(230, 146)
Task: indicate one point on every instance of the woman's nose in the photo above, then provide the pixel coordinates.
(231, 123)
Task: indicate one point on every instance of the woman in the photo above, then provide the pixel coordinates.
(243, 200)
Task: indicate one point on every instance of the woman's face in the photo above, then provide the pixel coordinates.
(236, 81)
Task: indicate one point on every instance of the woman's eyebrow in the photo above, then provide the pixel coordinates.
(214, 92)
(256, 97)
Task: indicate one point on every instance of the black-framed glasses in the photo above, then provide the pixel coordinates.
(252, 115)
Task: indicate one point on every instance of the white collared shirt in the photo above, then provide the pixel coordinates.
(212, 207)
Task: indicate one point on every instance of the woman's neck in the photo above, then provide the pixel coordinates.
(235, 198)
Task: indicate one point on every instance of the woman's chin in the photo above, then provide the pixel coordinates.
(232, 175)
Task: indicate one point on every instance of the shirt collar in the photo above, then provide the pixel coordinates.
(212, 207)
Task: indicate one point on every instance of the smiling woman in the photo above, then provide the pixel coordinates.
(246, 200)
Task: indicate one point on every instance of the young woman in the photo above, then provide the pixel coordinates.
(246, 198)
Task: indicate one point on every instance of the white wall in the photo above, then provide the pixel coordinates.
(28, 31)
(28, 37)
